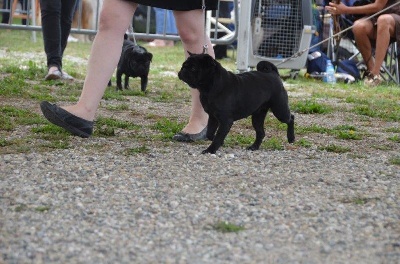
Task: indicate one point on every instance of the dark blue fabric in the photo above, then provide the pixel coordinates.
(349, 67)
(318, 64)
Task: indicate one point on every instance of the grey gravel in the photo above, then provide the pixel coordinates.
(90, 203)
(297, 206)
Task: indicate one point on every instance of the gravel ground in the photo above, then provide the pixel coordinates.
(297, 206)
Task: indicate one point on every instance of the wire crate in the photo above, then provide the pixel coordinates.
(274, 30)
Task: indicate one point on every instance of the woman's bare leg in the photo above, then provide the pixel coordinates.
(385, 29)
(115, 18)
(363, 33)
(191, 31)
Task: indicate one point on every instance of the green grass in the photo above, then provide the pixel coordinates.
(12, 116)
(135, 151)
(42, 209)
(395, 138)
(303, 143)
(358, 200)
(22, 88)
(311, 107)
(20, 207)
(226, 227)
(106, 126)
(335, 148)
(395, 160)
(168, 128)
(347, 132)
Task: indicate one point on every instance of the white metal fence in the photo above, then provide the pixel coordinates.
(222, 30)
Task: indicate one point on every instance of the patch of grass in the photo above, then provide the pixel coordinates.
(106, 126)
(238, 140)
(395, 138)
(132, 92)
(365, 110)
(21, 207)
(42, 209)
(11, 116)
(138, 150)
(119, 107)
(58, 144)
(4, 142)
(6, 123)
(165, 96)
(395, 160)
(168, 127)
(105, 131)
(387, 110)
(11, 86)
(226, 227)
(335, 148)
(18, 78)
(347, 132)
(111, 94)
(393, 130)
(349, 135)
(303, 143)
(52, 131)
(356, 100)
(273, 144)
(310, 107)
(360, 201)
(382, 147)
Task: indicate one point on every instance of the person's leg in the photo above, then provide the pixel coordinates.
(363, 31)
(190, 26)
(116, 15)
(67, 13)
(51, 12)
(385, 29)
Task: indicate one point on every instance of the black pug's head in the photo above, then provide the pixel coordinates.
(137, 58)
(198, 70)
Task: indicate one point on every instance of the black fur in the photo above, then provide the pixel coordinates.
(228, 97)
(134, 62)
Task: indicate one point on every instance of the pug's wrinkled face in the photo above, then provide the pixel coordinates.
(198, 70)
(138, 59)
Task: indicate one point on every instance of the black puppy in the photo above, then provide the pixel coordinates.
(228, 97)
(134, 62)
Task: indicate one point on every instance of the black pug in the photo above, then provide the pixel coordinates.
(228, 97)
(134, 62)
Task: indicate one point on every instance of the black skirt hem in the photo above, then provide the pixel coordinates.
(179, 5)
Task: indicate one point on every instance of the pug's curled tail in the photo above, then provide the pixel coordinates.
(266, 66)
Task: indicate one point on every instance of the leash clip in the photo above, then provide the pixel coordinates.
(205, 49)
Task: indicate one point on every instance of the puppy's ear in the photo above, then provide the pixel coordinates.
(190, 54)
(125, 36)
(149, 56)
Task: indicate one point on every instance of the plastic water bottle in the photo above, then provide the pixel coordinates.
(330, 72)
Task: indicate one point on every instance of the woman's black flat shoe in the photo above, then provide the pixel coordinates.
(186, 137)
(62, 118)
